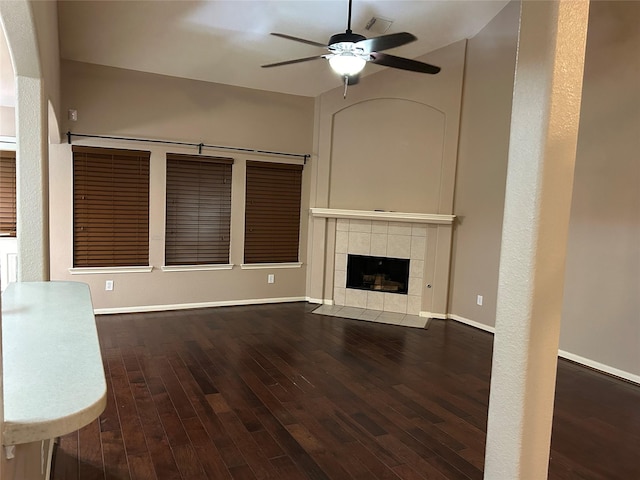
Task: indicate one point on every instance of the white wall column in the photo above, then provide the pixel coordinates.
(31, 141)
(544, 130)
(32, 180)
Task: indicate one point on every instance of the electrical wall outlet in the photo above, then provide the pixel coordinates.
(479, 300)
(108, 285)
(271, 278)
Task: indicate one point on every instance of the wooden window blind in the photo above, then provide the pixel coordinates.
(272, 212)
(110, 207)
(7, 193)
(198, 220)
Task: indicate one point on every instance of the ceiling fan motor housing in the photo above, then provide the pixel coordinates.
(347, 37)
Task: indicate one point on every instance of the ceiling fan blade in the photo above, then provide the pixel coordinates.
(289, 62)
(385, 42)
(403, 63)
(301, 40)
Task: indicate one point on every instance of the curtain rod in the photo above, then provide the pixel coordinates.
(200, 146)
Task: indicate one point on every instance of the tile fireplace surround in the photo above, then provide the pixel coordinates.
(423, 239)
(380, 239)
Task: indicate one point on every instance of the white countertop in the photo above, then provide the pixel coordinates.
(54, 380)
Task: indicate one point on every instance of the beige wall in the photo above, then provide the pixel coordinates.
(133, 104)
(482, 161)
(7, 91)
(390, 145)
(45, 15)
(380, 144)
(7, 122)
(601, 314)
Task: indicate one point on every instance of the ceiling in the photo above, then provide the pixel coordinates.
(226, 41)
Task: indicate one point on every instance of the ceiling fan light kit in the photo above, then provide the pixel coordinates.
(347, 64)
(349, 53)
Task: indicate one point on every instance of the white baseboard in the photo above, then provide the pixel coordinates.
(561, 353)
(186, 306)
(319, 301)
(441, 316)
(472, 323)
(600, 366)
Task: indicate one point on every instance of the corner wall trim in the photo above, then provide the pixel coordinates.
(601, 367)
(187, 306)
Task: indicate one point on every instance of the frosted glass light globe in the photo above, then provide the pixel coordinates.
(347, 64)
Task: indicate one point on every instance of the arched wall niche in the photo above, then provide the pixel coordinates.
(385, 145)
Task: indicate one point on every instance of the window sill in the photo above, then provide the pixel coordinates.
(195, 268)
(263, 266)
(95, 270)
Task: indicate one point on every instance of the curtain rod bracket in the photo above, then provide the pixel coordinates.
(69, 137)
(200, 145)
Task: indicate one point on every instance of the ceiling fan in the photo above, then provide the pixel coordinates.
(349, 52)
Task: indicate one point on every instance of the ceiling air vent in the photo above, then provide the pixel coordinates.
(378, 25)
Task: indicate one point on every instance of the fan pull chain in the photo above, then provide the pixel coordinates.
(346, 84)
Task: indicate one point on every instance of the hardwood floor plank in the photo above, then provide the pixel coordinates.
(188, 462)
(375, 464)
(155, 436)
(293, 449)
(224, 445)
(116, 466)
(66, 463)
(243, 439)
(175, 391)
(208, 455)
(141, 467)
(267, 444)
(276, 392)
(130, 425)
(287, 469)
(242, 472)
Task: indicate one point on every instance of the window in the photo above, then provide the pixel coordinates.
(272, 212)
(110, 207)
(7, 193)
(198, 219)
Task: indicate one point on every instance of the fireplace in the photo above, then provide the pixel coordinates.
(382, 274)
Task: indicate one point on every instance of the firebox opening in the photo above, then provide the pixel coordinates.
(381, 274)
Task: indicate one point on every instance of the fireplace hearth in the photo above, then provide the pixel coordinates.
(382, 274)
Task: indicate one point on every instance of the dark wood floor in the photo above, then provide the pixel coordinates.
(276, 392)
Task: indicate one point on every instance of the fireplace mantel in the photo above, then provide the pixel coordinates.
(432, 218)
